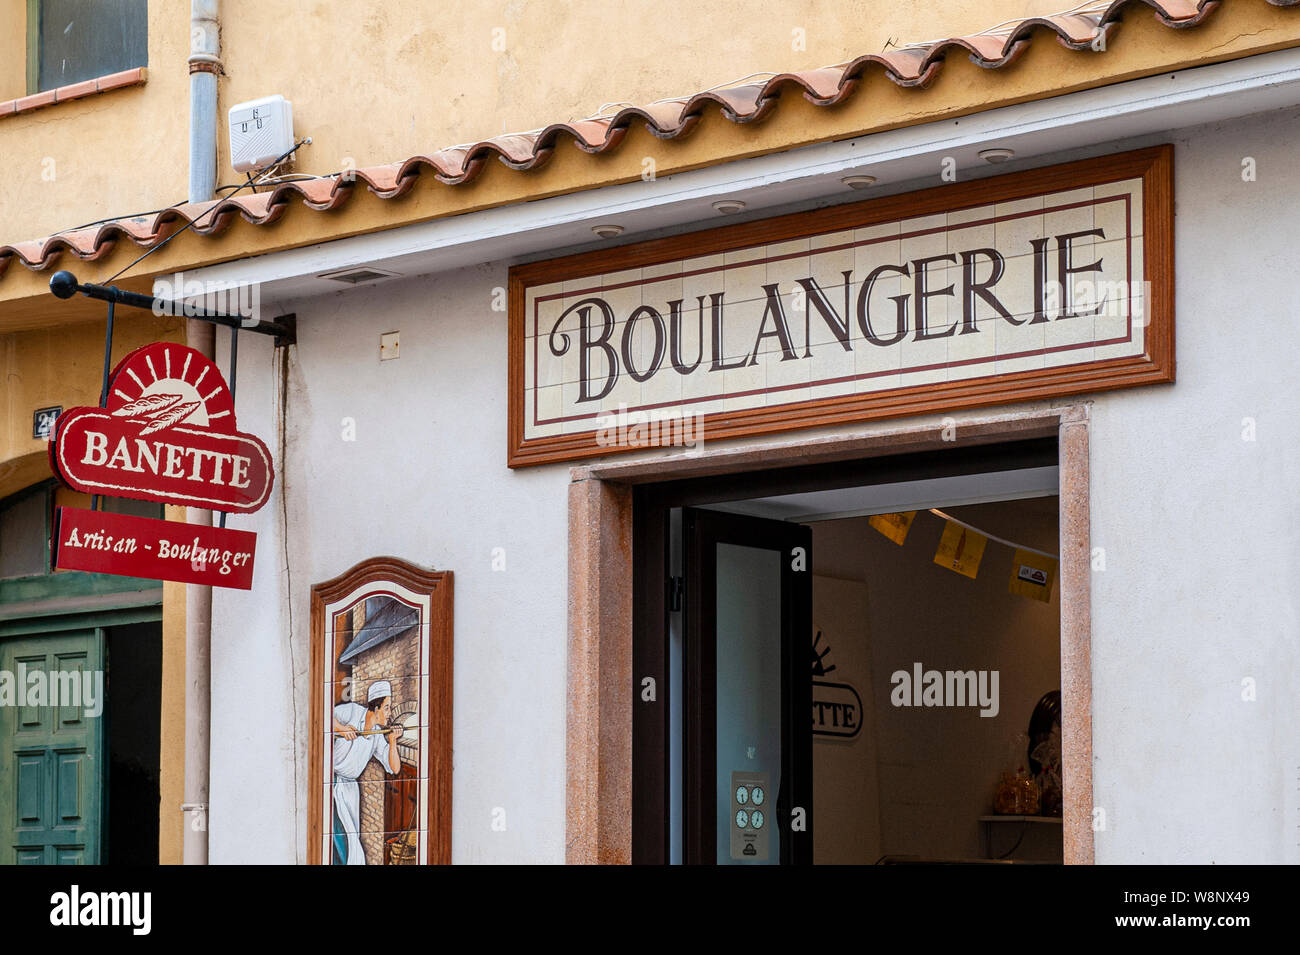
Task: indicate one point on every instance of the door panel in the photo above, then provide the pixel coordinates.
(31, 789)
(749, 704)
(748, 753)
(52, 760)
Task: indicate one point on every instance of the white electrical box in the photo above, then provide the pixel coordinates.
(261, 131)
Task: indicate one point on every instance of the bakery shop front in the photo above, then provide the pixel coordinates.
(853, 648)
(849, 528)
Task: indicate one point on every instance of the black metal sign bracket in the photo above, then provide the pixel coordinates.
(65, 285)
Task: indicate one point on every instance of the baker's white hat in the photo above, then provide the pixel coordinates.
(378, 690)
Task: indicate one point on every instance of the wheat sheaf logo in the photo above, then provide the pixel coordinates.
(162, 385)
(156, 412)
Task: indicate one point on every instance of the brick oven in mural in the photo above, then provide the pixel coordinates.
(375, 743)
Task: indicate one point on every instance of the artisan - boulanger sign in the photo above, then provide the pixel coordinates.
(167, 434)
(105, 543)
(1042, 283)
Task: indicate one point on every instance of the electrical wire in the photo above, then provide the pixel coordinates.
(133, 215)
(195, 221)
(993, 537)
(278, 180)
(292, 177)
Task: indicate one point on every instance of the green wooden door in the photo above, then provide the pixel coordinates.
(52, 758)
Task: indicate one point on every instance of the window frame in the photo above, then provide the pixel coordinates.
(34, 51)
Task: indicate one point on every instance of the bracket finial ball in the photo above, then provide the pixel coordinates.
(63, 284)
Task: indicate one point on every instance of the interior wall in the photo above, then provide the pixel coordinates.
(938, 766)
(846, 785)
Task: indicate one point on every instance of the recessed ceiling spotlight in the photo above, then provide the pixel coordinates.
(859, 182)
(608, 230)
(996, 155)
(729, 207)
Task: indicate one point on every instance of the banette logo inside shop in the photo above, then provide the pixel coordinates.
(1044, 282)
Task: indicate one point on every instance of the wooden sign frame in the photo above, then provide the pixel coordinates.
(436, 722)
(1154, 166)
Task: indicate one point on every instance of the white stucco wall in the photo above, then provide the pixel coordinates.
(1200, 534)
(425, 480)
(1199, 530)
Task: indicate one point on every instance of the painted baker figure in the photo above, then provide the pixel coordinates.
(361, 733)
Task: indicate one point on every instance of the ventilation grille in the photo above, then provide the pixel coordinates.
(357, 276)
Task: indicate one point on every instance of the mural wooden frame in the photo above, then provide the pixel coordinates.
(437, 585)
(1154, 165)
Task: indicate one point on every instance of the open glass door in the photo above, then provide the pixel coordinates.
(747, 619)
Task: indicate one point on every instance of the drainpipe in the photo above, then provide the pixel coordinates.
(205, 64)
(198, 674)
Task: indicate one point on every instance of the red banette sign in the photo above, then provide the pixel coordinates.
(105, 543)
(166, 433)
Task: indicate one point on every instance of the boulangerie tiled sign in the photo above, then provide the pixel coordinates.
(1037, 284)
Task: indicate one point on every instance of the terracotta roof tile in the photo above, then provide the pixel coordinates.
(383, 180)
(913, 66)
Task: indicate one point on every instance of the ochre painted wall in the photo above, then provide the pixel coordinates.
(377, 81)
(113, 154)
(404, 79)
(62, 365)
(171, 761)
(13, 49)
